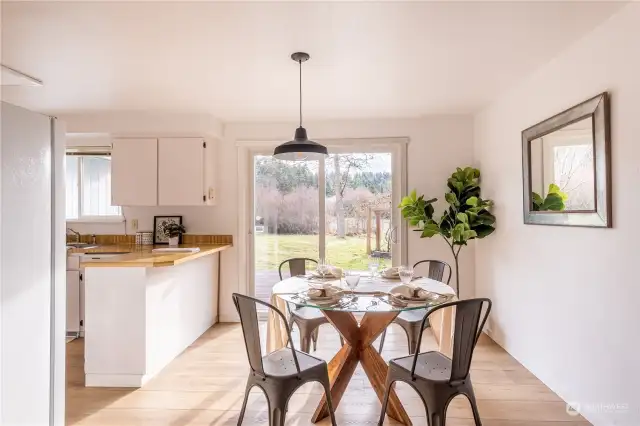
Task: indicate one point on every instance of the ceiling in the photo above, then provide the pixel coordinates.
(231, 59)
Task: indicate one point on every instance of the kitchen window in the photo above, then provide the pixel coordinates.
(88, 186)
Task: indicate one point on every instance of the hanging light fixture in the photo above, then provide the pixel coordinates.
(300, 148)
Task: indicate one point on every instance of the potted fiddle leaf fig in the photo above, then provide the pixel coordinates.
(173, 231)
(467, 217)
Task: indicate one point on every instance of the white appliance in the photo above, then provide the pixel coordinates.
(75, 292)
(32, 268)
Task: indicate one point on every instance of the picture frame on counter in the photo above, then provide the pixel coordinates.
(159, 222)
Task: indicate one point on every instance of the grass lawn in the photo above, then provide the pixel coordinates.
(347, 253)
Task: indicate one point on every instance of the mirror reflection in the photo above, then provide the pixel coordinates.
(562, 169)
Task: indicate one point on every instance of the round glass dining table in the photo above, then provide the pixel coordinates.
(372, 298)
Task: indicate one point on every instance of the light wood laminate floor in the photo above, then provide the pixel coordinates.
(205, 385)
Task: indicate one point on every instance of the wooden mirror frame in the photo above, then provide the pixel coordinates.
(598, 109)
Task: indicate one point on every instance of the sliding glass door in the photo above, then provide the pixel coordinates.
(340, 208)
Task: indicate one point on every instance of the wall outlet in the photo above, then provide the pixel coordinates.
(134, 224)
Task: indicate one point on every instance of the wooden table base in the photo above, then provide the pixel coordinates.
(358, 348)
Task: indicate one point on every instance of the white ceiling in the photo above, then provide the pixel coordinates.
(394, 59)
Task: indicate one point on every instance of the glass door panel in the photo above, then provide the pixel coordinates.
(359, 209)
(286, 217)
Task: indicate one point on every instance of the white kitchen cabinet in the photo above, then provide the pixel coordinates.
(73, 303)
(134, 172)
(181, 172)
(163, 171)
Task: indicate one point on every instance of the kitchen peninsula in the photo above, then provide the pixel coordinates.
(142, 309)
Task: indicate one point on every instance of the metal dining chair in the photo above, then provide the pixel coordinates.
(411, 321)
(435, 377)
(281, 372)
(307, 319)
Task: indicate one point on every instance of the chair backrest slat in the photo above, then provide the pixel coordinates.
(248, 313)
(437, 269)
(250, 330)
(469, 321)
(297, 266)
(467, 330)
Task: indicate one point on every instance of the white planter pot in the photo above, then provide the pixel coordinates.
(173, 241)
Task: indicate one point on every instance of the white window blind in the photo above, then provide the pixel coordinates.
(88, 187)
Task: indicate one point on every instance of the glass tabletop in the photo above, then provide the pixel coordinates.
(371, 296)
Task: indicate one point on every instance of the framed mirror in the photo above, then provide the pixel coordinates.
(566, 167)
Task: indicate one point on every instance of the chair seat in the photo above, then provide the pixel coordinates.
(307, 313)
(432, 366)
(414, 315)
(281, 363)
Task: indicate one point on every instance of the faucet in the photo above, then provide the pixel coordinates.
(74, 232)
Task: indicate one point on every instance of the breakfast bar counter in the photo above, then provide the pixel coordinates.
(143, 256)
(142, 309)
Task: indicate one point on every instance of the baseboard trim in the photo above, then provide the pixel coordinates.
(116, 380)
(229, 318)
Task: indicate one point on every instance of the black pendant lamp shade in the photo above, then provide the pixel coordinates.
(300, 148)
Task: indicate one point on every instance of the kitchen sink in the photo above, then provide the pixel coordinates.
(82, 245)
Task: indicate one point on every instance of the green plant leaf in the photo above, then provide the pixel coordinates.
(555, 189)
(462, 217)
(413, 195)
(467, 235)
(483, 230)
(451, 198)
(472, 201)
(430, 229)
(552, 202)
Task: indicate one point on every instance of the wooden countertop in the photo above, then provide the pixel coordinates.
(142, 257)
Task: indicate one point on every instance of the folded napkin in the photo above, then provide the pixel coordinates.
(404, 292)
(334, 272)
(392, 273)
(316, 293)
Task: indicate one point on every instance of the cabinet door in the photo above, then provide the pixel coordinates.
(134, 172)
(73, 301)
(181, 172)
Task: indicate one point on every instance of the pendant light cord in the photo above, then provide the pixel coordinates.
(300, 62)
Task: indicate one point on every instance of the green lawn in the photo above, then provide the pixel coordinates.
(347, 253)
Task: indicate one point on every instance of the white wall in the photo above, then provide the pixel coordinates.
(566, 299)
(438, 144)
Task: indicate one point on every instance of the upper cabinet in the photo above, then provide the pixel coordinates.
(174, 172)
(134, 172)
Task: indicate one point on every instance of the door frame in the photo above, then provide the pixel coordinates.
(247, 150)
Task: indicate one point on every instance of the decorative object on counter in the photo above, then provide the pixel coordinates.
(566, 167)
(174, 231)
(144, 238)
(161, 232)
(468, 216)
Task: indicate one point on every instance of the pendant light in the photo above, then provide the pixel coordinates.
(300, 148)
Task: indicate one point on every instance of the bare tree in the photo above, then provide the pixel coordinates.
(573, 169)
(343, 164)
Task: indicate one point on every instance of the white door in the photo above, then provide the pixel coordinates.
(134, 172)
(181, 172)
(342, 208)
